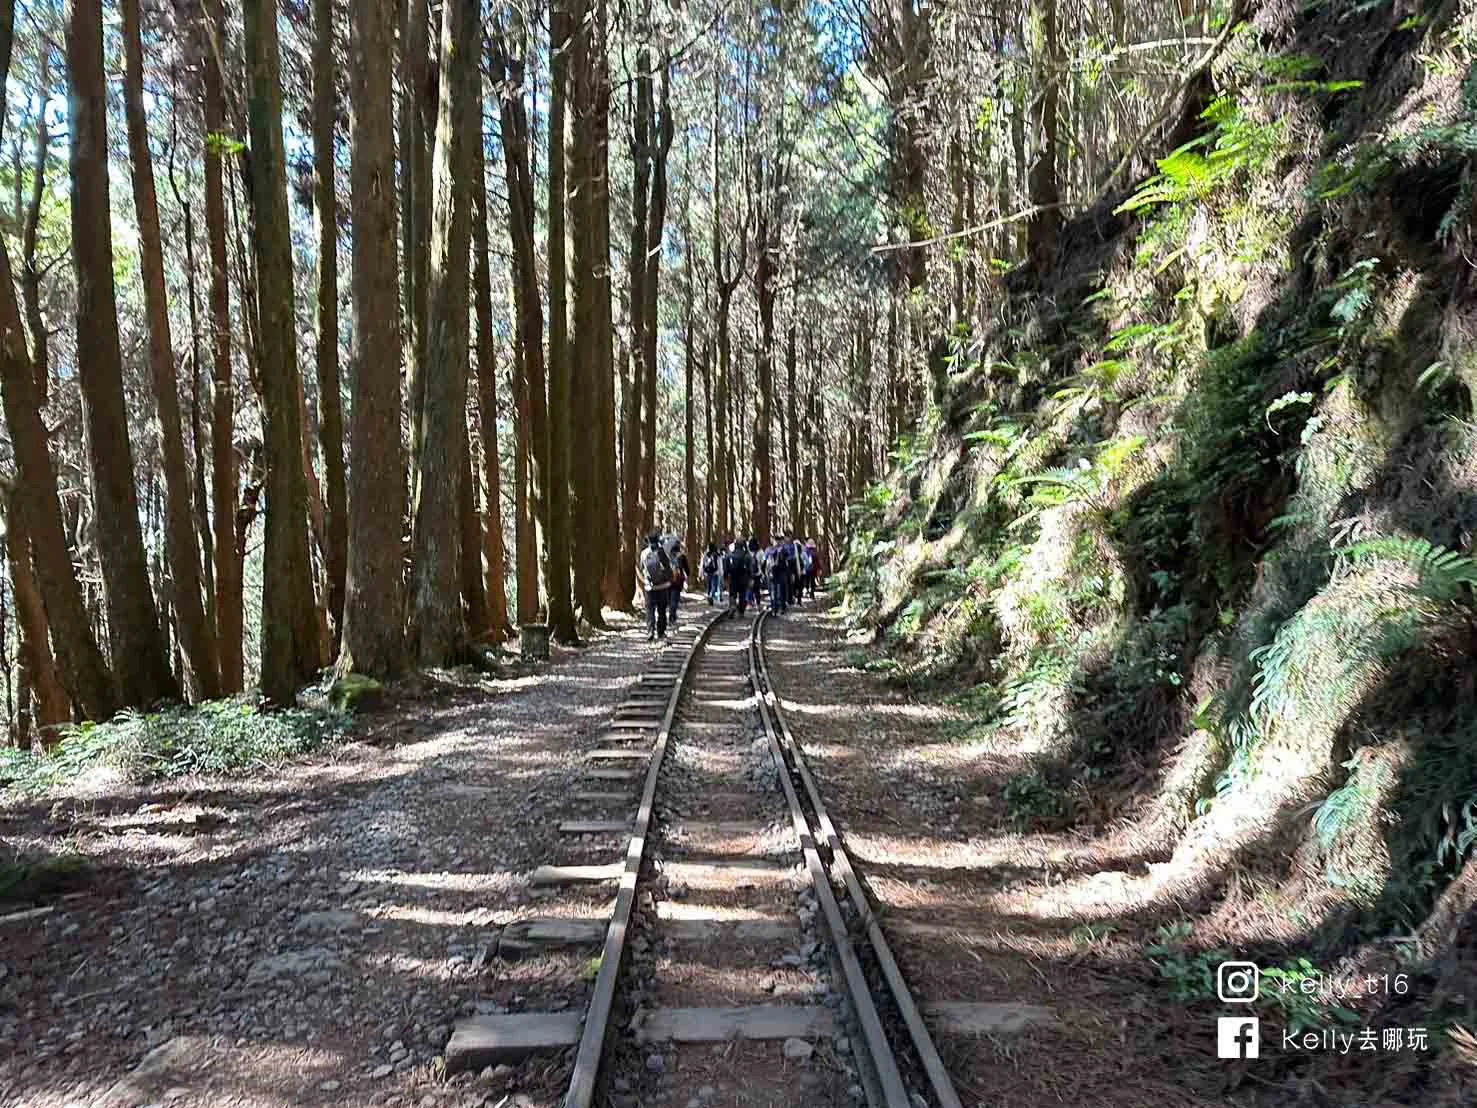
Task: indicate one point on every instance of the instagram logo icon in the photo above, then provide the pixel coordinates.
(1238, 982)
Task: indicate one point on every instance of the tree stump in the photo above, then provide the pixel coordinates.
(533, 640)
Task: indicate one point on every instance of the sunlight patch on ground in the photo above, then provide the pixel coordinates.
(499, 883)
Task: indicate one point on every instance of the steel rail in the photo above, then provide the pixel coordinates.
(938, 1075)
(884, 1063)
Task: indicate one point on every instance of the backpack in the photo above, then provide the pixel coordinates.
(658, 568)
(710, 563)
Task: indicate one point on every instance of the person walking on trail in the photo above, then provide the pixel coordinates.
(711, 577)
(792, 585)
(779, 574)
(739, 572)
(756, 574)
(654, 572)
(810, 556)
(681, 570)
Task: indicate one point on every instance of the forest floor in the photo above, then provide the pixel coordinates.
(308, 935)
(1118, 1014)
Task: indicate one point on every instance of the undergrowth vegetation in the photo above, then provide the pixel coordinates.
(1210, 488)
(218, 736)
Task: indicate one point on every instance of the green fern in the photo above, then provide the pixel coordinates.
(1443, 573)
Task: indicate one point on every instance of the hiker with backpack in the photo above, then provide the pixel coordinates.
(779, 574)
(738, 570)
(711, 577)
(681, 567)
(756, 571)
(654, 572)
(810, 565)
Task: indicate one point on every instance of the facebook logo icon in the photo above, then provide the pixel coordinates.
(1238, 1037)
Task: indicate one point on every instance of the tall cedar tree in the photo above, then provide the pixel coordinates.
(660, 135)
(437, 631)
(587, 349)
(229, 540)
(83, 671)
(289, 652)
(633, 390)
(330, 405)
(417, 134)
(508, 71)
(373, 640)
(143, 671)
(197, 645)
(561, 609)
(496, 563)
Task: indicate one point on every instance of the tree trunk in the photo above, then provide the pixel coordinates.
(30, 270)
(764, 293)
(591, 471)
(133, 623)
(496, 586)
(661, 132)
(1044, 227)
(330, 405)
(437, 631)
(373, 638)
(689, 443)
(83, 672)
(525, 541)
(633, 389)
(225, 465)
(563, 15)
(508, 72)
(618, 585)
(49, 702)
(474, 594)
(792, 428)
(202, 675)
(417, 135)
(289, 649)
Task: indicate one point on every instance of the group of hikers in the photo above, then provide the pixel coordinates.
(785, 571)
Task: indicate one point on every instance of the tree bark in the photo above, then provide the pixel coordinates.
(49, 703)
(1044, 227)
(661, 133)
(437, 630)
(496, 585)
(133, 623)
(289, 651)
(417, 133)
(225, 463)
(469, 522)
(618, 585)
(202, 675)
(633, 389)
(30, 271)
(83, 672)
(373, 639)
(563, 16)
(330, 404)
(590, 472)
(508, 70)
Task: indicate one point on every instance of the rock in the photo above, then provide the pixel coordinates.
(353, 691)
(438, 1035)
(798, 1050)
(843, 1044)
(292, 964)
(655, 1063)
(322, 923)
(328, 1086)
(379, 1073)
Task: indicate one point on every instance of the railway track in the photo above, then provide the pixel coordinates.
(740, 962)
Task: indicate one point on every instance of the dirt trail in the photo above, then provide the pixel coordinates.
(309, 935)
(967, 905)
